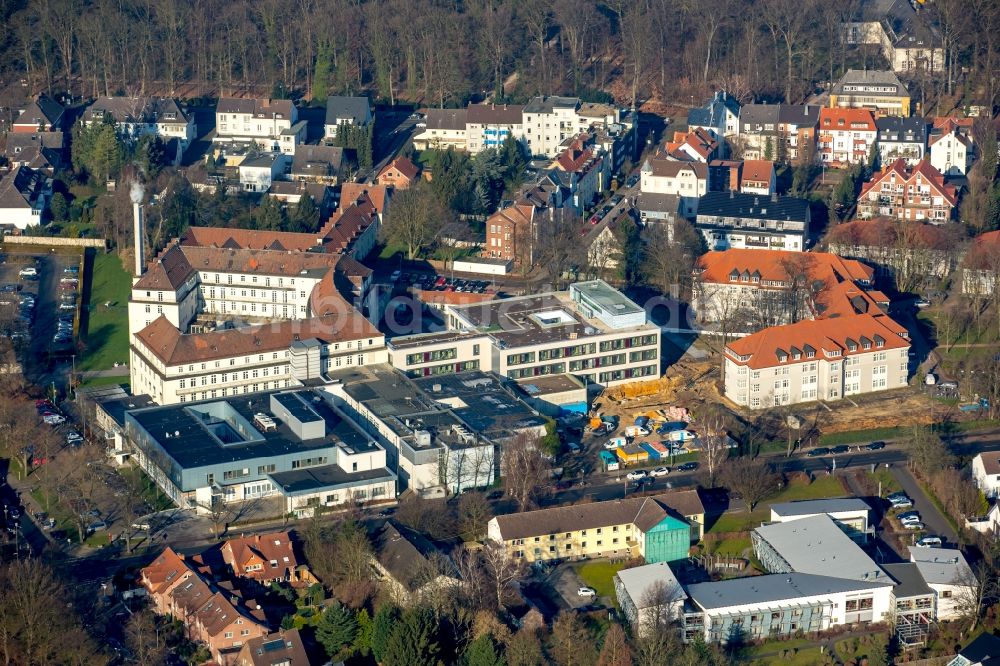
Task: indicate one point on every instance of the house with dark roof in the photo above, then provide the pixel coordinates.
(738, 220)
(42, 151)
(880, 91)
(782, 132)
(259, 121)
(687, 181)
(42, 114)
(659, 528)
(909, 40)
(983, 651)
(139, 116)
(24, 197)
(344, 110)
(901, 138)
(441, 129)
(986, 472)
(410, 567)
(719, 116)
(325, 165)
(489, 124)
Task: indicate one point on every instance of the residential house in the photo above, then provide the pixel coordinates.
(182, 589)
(282, 648)
(372, 196)
(880, 91)
(751, 289)
(548, 121)
(258, 171)
(738, 220)
(904, 254)
(696, 145)
(325, 165)
(24, 197)
(510, 233)
(398, 174)
(981, 265)
(410, 567)
(901, 138)
(719, 116)
(984, 651)
(988, 523)
(911, 194)
(260, 121)
(441, 129)
(947, 572)
(951, 147)
(822, 359)
(758, 177)
(852, 514)
(488, 125)
(43, 114)
(659, 528)
(588, 169)
(655, 207)
(42, 151)
(846, 135)
(910, 43)
(291, 193)
(135, 117)
(780, 132)
(265, 558)
(688, 181)
(342, 110)
(986, 471)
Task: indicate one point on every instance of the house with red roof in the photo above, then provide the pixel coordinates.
(846, 136)
(917, 193)
(819, 359)
(399, 174)
(751, 289)
(758, 177)
(698, 145)
(265, 558)
(587, 170)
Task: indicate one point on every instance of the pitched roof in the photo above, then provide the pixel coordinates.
(319, 161)
(38, 150)
(887, 232)
(832, 280)
(274, 551)
(165, 570)
(339, 107)
(283, 646)
(21, 187)
(753, 206)
(260, 108)
(172, 347)
(494, 114)
(757, 171)
(894, 128)
(378, 195)
(548, 103)
(712, 113)
(401, 552)
(985, 252)
(644, 512)
(136, 109)
(638, 581)
(909, 582)
(985, 649)
(838, 334)
(42, 110)
(446, 119)
(403, 165)
(664, 168)
(846, 120)
(990, 459)
(923, 171)
(698, 140)
(870, 77)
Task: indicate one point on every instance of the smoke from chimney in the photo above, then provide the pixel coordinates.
(137, 192)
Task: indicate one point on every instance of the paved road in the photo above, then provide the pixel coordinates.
(934, 520)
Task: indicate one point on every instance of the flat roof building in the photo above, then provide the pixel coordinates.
(851, 513)
(256, 446)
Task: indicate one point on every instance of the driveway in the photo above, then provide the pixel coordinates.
(930, 515)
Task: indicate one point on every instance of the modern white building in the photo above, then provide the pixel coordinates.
(760, 607)
(140, 116)
(649, 595)
(24, 197)
(901, 138)
(442, 433)
(850, 513)
(591, 331)
(947, 572)
(686, 180)
(823, 359)
(986, 472)
(260, 121)
(257, 172)
(290, 443)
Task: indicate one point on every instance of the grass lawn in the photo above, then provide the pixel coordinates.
(106, 340)
(599, 575)
(889, 483)
(150, 492)
(95, 382)
(732, 547)
(806, 652)
(863, 436)
(736, 521)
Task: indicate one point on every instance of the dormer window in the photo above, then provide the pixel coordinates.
(851, 345)
(879, 341)
(781, 354)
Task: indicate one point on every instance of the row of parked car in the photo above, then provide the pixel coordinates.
(432, 282)
(53, 417)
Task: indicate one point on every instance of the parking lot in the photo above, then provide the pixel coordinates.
(435, 282)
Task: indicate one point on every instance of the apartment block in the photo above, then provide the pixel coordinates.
(825, 359)
(737, 220)
(917, 193)
(260, 121)
(846, 135)
(880, 91)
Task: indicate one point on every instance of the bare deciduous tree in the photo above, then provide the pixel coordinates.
(501, 568)
(526, 474)
(753, 478)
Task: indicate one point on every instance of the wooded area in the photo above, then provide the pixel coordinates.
(445, 53)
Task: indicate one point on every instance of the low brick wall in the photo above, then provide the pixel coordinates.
(47, 241)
